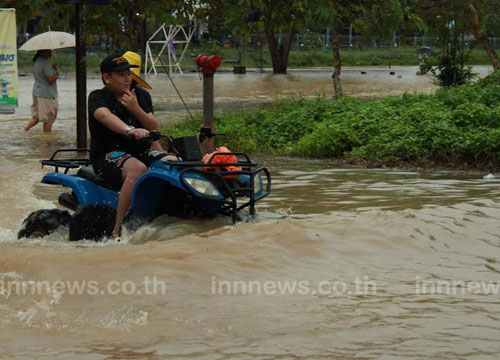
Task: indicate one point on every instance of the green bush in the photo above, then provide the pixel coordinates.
(458, 125)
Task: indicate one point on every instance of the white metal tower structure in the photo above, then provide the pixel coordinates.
(165, 38)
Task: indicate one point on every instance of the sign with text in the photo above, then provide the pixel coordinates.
(8, 62)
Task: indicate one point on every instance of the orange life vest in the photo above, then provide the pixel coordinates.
(222, 159)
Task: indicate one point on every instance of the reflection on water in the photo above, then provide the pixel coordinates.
(327, 227)
(318, 188)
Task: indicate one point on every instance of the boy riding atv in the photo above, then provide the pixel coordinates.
(115, 111)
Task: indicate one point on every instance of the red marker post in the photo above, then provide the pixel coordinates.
(208, 66)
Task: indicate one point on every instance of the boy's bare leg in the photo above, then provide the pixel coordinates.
(132, 170)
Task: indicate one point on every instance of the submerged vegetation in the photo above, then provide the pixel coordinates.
(454, 127)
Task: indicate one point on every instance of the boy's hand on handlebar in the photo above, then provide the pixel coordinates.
(139, 133)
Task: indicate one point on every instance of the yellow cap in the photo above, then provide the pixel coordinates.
(135, 59)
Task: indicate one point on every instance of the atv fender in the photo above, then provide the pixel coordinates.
(148, 196)
(87, 192)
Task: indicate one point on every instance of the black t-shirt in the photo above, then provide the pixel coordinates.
(102, 139)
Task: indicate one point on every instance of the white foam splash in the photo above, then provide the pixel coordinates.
(490, 176)
(125, 320)
(7, 235)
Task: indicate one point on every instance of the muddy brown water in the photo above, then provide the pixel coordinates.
(338, 263)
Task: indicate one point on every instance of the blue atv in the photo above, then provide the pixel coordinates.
(185, 189)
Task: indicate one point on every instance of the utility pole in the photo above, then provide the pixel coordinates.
(81, 76)
(81, 68)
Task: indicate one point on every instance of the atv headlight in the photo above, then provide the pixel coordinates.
(257, 184)
(204, 187)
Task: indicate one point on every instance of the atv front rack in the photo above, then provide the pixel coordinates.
(71, 163)
(232, 189)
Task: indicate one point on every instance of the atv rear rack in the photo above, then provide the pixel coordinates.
(72, 163)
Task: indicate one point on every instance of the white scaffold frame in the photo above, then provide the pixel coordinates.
(168, 35)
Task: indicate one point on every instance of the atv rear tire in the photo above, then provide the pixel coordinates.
(43, 222)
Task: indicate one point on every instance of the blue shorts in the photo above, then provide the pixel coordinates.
(109, 166)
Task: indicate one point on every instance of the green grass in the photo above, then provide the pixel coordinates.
(250, 58)
(323, 57)
(458, 126)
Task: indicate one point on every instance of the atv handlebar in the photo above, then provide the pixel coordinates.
(153, 136)
(206, 133)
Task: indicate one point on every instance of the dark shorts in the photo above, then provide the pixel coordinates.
(109, 166)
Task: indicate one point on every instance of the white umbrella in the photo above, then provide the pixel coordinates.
(49, 40)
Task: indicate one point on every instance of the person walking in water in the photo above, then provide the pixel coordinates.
(45, 104)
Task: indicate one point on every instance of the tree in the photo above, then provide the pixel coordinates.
(475, 28)
(467, 14)
(123, 20)
(47, 13)
(371, 17)
(333, 14)
(279, 19)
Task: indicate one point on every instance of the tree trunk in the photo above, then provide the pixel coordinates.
(131, 29)
(132, 37)
(337, 64)
(475, 29)
(279, 50)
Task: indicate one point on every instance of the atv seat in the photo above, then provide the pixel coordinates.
(87, 172)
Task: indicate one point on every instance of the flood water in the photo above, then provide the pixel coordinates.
(339, 262)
